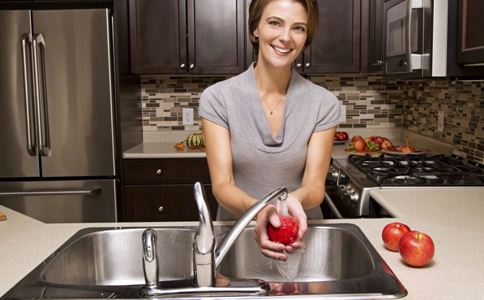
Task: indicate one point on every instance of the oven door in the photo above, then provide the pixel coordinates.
(337, 206)
(404, 37)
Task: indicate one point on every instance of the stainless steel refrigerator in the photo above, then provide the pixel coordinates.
(57, 148)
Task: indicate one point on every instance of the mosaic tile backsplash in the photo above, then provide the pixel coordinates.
(371, 102)
(462, 103)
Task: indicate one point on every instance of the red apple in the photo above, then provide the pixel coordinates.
(392, 233)
(359, 145)
(286, 233)
(386, 144)
(416, 248)
(378, 140)
(356, 137)
(337, 136)
(344, 135)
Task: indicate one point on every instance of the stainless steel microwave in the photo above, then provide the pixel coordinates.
(416, 37)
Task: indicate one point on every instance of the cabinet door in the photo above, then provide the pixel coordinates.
(372, 36)
(250, 55)
(471, 35)
(336, 46)
(165, 171)
(151, 203)
(216, 31)
(158, 36)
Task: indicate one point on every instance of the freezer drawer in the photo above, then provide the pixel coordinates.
(74, 201)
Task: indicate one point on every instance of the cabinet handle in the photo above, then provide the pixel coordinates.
(378, 63)
(159, 171)
(182, 66)
(307, 65)
(298, 65)
(161, 209)
(192, 66)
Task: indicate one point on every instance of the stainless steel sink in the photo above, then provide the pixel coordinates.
(338, 261)
(113, 258)
(331, 253)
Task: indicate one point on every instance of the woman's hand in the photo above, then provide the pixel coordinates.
(267, 247)
(270, 215)
(296, 210)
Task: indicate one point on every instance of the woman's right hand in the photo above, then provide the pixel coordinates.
(267, 247)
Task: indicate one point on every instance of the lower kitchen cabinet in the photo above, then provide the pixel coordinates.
(174, 202)
(162, 189)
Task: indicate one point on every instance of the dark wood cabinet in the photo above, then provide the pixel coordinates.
(158, 36)
(336, 45)
(372, 33)
(171, 202)
(187, 36)
(458, 66)
(470, 48)
(162, 189)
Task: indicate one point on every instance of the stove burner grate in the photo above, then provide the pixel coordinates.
(419, 170)
(404, 180)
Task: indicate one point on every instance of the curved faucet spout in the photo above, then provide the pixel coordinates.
(243, 221)
(205, 257)
(205, 240)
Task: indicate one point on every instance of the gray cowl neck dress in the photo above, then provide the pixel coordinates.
(262, 162)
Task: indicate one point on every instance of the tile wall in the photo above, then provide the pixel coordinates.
(462, 103)
(370, 100)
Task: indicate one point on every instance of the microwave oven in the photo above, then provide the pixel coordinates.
(415, 41)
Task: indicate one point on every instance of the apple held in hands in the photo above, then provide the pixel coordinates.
(286, 233)
(416, 248)
(392, 233)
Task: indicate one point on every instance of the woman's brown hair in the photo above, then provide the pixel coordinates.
(255, 13)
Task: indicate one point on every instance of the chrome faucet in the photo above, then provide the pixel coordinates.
(150, 261)
(207, 257)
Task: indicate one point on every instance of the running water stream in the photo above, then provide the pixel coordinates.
(288, 269)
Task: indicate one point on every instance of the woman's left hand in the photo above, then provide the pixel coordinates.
(296, 210)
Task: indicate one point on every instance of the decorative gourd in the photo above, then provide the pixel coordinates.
(195, 141)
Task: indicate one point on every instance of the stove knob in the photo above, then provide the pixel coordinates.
(343, 178)
(354, 196)
(334, 172)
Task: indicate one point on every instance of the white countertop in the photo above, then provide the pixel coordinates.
(451, 216)
(161, 150)
(168, 150)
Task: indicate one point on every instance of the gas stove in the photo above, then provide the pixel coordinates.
(351, 180)
(419, 170)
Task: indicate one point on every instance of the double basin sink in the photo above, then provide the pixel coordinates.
(337, 261)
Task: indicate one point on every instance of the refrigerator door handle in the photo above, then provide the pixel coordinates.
(31, 146)
(40, 88)
(89, 192)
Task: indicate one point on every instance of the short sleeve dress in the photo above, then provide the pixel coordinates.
(261, 162)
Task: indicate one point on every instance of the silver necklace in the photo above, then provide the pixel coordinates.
(271, 110)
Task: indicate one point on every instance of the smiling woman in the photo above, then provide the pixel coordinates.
(269, 127)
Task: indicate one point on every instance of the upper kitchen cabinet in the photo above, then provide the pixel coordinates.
(372, 55)
(187, 36)
(465, 44)
(470, 50)
(336, 45)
